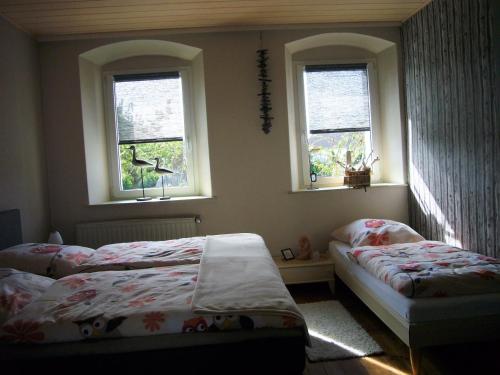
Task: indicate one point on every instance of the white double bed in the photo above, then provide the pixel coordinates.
(420, 322)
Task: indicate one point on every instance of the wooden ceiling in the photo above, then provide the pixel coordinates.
(45, 18)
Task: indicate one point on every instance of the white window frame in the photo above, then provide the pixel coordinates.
(302, 123)
(189, 136)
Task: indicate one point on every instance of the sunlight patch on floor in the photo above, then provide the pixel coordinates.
(336, 342)
(357, 352)
(385, 366)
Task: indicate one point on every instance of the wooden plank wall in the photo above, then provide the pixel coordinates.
(453, 123)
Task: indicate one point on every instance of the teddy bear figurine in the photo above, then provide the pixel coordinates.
(305, 249)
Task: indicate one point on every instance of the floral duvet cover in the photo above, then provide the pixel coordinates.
(145, 254)
(18, 289)
(110, 304)
(430, 269)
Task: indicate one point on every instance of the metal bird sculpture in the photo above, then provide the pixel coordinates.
(141, 164)
(162, 172)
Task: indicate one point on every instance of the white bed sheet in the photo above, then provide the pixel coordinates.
(418, 309)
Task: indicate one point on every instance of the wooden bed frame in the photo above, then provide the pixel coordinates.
(422, 334)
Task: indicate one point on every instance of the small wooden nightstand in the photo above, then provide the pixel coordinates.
(307, 271)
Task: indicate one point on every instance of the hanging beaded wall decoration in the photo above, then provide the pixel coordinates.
(265, 100)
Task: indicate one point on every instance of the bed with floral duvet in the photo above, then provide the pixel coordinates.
(427, 292)
(400, 257)
(167, 301)
(430, 269)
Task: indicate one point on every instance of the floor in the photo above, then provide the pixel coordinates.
(479, 358)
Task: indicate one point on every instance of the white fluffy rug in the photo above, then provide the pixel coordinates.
(334, 333)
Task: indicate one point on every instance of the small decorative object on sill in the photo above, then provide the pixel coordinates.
(305, 249)
(162, 172)
(141, 164)
(313, 177)
(360, 177)
(357, 179)
(265, 100)
(55, 238)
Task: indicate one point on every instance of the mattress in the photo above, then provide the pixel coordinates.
(419, 309)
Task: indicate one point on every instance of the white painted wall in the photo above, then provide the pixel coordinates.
(391, 116)
(250, 170)
(96, 154)
(22, 157)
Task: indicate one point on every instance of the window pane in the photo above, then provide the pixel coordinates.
(149, 109)
(337, 99)
(325, 149)
(172, 156)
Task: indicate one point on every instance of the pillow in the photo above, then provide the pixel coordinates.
(376, 232)
(18, 289)
(45, 259)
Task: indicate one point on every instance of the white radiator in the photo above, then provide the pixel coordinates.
(94, 235)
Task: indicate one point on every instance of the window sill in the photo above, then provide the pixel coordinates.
(342, 187)
(152, 201)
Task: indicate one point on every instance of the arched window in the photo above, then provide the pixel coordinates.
(148, 94)
(338, 110)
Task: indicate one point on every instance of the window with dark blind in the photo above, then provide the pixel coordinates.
(337, 115)
(149, 114)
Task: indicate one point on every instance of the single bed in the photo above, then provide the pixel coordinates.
(275, 339)
(420, 322)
